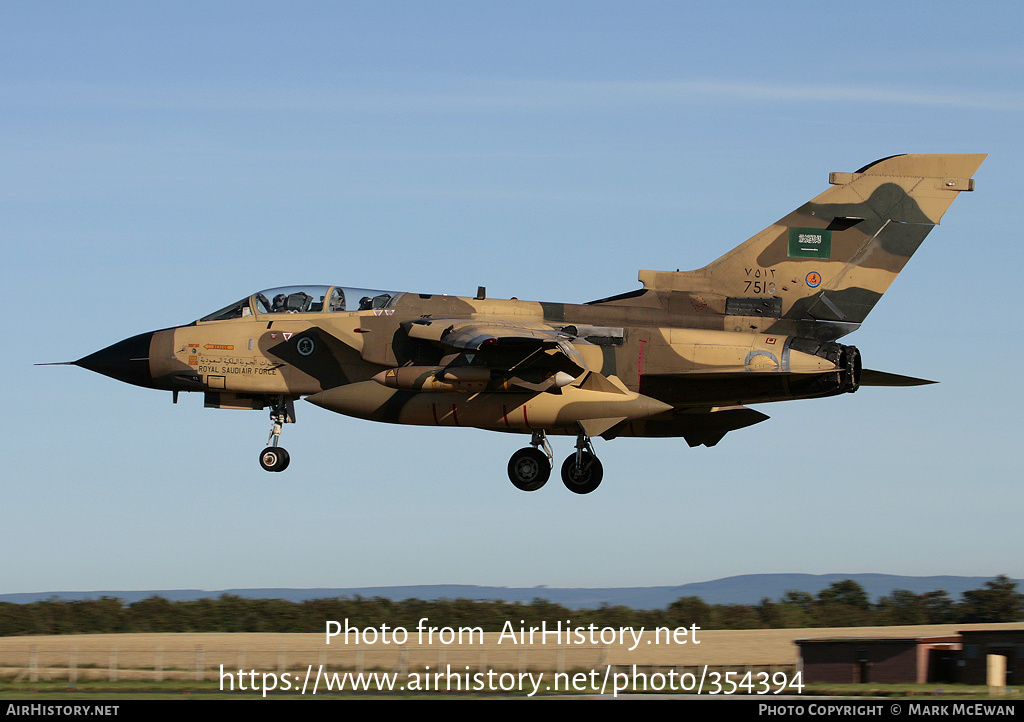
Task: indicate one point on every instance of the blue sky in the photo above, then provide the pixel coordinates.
(163, 160)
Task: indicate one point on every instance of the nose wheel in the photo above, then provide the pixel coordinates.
(274, 457)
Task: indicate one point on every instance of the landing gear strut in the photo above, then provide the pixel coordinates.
(582, 471)
(274, 457)
(530, 467)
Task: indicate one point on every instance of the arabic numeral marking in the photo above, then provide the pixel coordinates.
(760, 287)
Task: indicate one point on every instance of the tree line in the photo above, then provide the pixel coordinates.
(841, 604)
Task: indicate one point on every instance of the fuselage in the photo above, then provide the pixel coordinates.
(683, 357)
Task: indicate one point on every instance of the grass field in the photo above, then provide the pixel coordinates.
(183, 664)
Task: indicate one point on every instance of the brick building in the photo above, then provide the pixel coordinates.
(853, 660)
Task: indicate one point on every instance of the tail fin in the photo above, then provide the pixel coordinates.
(822, 268)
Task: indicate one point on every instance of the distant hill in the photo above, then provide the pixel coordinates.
(743, 589)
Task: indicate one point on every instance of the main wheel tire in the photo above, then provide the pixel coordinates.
(529, 469)
(584, 478)
(274, 458)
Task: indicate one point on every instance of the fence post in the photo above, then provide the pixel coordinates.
(199, 663)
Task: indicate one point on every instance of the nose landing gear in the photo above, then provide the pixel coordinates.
(274, 457)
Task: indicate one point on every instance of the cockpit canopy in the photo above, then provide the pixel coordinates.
(306, 299)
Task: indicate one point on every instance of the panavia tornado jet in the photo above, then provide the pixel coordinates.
(683, 356)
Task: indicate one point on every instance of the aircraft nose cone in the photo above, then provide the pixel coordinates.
(126, 360)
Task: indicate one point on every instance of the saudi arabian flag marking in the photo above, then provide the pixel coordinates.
(810, 243)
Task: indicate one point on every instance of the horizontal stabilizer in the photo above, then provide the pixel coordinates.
(882, 378)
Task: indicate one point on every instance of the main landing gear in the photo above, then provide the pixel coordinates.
(582, 471)
(530, 467)
(274, 457)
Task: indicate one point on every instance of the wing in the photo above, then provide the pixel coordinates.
(499, 375)
(698, 426)
(529, 351)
